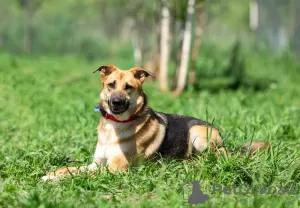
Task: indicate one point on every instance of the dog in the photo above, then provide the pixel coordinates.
(129, 131)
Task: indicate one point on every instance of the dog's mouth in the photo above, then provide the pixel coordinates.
(117, 110)
(119, 107)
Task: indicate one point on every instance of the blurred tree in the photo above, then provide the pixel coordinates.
(253, 12)
(186, 47)
(199, 23)
(29, 8)
(296, 35)
(164, 45)
(6, 16)
(143, 15)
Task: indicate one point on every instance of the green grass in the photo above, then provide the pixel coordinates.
(47, 121)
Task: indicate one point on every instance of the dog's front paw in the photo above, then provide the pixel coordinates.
(55, 175)
(49, 177)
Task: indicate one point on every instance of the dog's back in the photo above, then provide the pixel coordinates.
(177, 137)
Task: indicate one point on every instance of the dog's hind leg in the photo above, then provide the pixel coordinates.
(201, 137)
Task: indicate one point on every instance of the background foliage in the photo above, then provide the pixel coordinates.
(94, 28)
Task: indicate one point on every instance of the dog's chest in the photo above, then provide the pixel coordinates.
(114, 139)
(140, 137)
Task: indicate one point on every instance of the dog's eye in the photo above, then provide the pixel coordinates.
(128, 87)
(111, 85)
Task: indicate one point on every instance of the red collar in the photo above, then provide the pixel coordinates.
(111, 117)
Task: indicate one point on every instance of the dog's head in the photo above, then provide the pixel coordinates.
(122, 94)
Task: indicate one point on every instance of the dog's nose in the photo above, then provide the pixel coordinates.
(117, 101)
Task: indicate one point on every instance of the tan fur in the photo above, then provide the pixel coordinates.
(118, 163)
(122, 143)
(201, 136)
(141, 137)
(122, 78)
(255, 147)
(61, 172)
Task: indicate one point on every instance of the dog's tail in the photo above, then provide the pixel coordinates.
(253, 147)
(248, 148)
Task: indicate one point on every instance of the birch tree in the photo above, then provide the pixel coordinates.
(164, 45)
(186, 48)
(199, 13)
(136, 43)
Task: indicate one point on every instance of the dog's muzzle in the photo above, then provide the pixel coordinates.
(118, 105)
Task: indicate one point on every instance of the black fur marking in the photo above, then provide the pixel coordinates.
(175, 143)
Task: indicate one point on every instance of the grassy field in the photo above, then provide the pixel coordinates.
(47, 121)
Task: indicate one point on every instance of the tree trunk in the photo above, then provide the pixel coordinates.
(157, 50)
(1, 41)
(164, 46)
(274, 27)
(254, 18)
(178, 44)
(296, 35)
(153, 62)
(197, 44)
(27, 26)
(137, 51)
(186, 47)
(136, 44)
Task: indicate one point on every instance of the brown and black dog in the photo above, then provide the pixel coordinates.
(129, 130)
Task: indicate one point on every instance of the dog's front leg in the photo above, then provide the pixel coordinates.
(69, 171)
(99, 159)
(116, 163)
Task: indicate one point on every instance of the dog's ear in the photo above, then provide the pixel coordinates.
(105, 70)
(141, 74)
